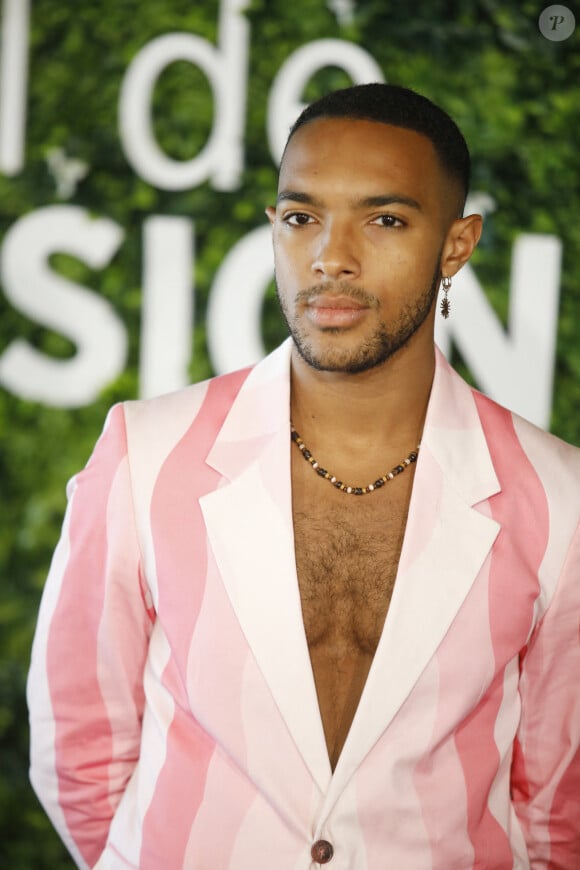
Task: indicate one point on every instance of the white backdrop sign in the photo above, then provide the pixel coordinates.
(516, 367)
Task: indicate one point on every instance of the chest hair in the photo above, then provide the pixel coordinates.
(347, 563)
(347, 554)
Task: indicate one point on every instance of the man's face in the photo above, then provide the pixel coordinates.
(362, 214)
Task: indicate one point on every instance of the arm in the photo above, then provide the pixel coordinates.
(85, 689)
(546, 765)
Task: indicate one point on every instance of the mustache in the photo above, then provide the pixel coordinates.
(338, 288)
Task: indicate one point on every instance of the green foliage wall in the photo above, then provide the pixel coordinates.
(516, 96)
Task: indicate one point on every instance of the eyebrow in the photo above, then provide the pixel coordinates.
(392, 199)
(365, 202)
(295, 196)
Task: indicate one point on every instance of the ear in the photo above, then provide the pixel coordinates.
(462, 237)
(271, 214)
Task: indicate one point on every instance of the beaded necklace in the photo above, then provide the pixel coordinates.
(351, 490)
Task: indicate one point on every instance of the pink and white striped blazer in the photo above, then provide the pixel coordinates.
(173, 710)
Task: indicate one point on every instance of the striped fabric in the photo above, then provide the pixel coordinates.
(173, 710)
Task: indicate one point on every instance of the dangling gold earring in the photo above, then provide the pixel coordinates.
(445, 303)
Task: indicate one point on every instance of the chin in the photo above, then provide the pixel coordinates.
(366, 355)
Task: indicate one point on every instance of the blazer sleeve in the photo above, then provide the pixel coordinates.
(546, 762)
(85, 685)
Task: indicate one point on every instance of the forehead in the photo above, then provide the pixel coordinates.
(344, 153)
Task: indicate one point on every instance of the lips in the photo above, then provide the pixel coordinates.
(336, 303)
(335, 311)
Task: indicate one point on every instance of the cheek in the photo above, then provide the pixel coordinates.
(414, 266)
(284, 268)
(394, 272)
(290, 259)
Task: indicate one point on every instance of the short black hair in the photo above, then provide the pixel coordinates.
(401, 107)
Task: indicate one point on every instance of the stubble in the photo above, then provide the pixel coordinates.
(372, 351)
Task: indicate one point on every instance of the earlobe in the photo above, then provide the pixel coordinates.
(463, 236)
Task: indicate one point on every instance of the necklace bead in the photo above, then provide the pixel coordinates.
(352, 490)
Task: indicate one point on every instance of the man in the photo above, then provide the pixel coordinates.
(278, 633)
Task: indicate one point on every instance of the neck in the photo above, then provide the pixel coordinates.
(384, 405)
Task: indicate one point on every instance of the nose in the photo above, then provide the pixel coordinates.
(334, 255)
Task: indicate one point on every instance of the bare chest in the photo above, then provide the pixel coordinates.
(347, 554)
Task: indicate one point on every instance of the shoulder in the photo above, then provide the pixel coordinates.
(539, 480)
(537, 474)
(550, 456)
(168, 417)
(165, 419)
(187, 400)
(508, 435)
(224, 388)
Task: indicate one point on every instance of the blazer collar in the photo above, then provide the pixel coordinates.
(454, 436)
(261, 409)
(452, 433)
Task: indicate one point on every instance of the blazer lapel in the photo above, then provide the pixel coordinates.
(446, 543)
(249, 525)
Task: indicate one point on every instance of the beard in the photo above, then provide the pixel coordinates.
(376, 348)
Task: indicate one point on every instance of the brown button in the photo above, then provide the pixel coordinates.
(322, 852)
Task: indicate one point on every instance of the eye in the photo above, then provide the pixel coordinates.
(388, 221)
(297, 219)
